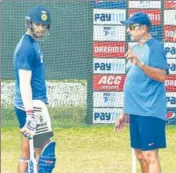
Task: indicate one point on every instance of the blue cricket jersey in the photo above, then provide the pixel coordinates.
(28, 56)
(143, 95)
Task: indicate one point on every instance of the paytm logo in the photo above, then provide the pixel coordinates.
(109, 16)
(110, 67)
(102, 66)
(171, 100)
(104, 116)
(170, 49)
(172, 65)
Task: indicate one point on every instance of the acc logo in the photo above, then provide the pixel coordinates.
(170, 114)
(110, 80)
(44, 17)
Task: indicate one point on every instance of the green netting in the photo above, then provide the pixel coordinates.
(67, 53)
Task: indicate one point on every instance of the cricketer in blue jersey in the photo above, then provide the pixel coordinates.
(145, 93)
(31, 96)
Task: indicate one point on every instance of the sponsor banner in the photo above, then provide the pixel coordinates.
(171, 99)
(108, 49)
(109, 16)
(144, 4)
(122, 4)
(171, 116)
(109, 33)
(170, 4)
(108, 99)
(170, 83)
(169, 17)
(172, 66)
(108, 82)
(169, 33)
(154, 14)
(106, 115)
(170, 49)
(156, 32)
(109, 66)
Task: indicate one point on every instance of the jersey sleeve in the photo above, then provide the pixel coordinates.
(25, 59)
(157, 57)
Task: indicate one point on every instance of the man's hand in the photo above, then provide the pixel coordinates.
(132, 57)
(121, 122)
(29, 128)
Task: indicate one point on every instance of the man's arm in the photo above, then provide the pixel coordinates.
(25, 88)
(154, 73)
(121, 122)
(30, 126)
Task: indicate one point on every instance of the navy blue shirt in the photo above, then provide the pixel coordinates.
(28, 56)
(143, 95)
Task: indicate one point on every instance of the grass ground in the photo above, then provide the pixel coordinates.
(87, 150)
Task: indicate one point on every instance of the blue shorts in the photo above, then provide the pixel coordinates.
(21, 116)
(147, 133)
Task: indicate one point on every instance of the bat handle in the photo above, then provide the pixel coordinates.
(32, 155)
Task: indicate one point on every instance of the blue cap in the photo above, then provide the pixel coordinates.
(138, 18)
(39, 15)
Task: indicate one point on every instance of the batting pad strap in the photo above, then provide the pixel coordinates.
(47, 158)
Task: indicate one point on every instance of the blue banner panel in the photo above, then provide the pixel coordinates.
(110, 5)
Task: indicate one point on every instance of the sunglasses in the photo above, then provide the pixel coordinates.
(133, 26)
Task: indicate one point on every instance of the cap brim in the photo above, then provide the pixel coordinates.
(127, 22)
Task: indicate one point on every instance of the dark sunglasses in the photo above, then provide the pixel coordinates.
(133, 26)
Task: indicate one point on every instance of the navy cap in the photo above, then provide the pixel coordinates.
(138, 18)
(39, 15)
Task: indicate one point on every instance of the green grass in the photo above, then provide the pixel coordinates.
(87, 150)
(61, 116)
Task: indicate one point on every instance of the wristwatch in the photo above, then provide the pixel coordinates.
(141, 64)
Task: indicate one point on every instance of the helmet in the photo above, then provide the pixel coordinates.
(38, 15)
